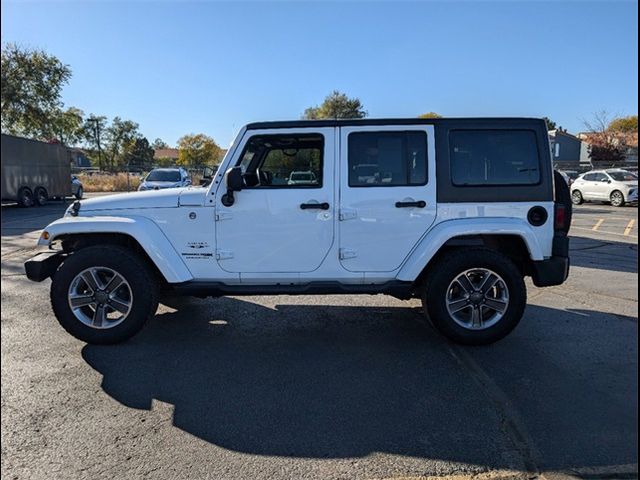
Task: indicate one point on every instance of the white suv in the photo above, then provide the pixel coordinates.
(455, 212)
(616, 186)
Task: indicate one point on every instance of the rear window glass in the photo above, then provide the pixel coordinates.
(387, 159)
(494, 157)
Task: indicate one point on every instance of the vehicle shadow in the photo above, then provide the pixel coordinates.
(603, 254)
(324, 381)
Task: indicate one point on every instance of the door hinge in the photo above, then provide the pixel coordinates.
(347, 253)
(223, 216)
(223, 254)
(347, 214)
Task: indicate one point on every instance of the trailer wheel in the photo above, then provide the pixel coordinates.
(41, 196)
(25, 197)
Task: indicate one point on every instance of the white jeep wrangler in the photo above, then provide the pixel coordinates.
(455, 212)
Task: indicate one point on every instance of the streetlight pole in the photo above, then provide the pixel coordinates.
(96, 132)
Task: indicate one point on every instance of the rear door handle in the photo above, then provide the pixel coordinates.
(317, 206)
(419, 204)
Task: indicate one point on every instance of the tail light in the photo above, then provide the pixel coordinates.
(561, 217)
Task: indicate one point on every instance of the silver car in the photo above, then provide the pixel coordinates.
(160, 178)
(616, 186)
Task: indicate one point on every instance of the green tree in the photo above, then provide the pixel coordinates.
(198, 150)
(139, 154)
(336, 105)
(551, 125)
(68, 126)
(117, 136)
(159, 144)
(430, 115)
(32, 82)
(624, 124)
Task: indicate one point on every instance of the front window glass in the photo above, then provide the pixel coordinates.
(163, 176)
(283, 161)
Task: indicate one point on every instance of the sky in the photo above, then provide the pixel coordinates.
(210, 67)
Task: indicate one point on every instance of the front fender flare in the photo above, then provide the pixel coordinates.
(142, 229)
(431, 243)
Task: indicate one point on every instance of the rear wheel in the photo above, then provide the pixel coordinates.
(617, 198)
(25, 197)
(474, 297)
(41, 196)
(576, 197)
(103, 294)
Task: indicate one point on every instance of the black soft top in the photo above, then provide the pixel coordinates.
(511, 121)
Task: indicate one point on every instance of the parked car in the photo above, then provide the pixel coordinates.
(77, 190)
(160, 178)
(570, 175)
(458, 212)
(302, 178)
(616, 186)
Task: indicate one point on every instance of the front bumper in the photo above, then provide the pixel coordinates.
(555, 270)
(43, 265)
(632, 196)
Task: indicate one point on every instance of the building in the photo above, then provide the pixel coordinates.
(167, 155)
(568, 151)
(78, 158)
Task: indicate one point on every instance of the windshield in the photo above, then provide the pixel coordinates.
(163, 176)
(623, 176)
(572, 175)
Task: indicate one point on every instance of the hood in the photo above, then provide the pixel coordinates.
(167, 198)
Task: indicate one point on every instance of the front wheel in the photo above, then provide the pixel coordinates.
(617, 199)
(103, 294)
(474, 297)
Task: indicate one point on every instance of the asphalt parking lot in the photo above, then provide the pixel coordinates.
(328, 386)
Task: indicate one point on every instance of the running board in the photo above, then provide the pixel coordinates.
(396, 288)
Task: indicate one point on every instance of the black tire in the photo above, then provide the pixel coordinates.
(136, 272)
(25, 197)
(79, 194)
(577, 198)
(449, 267)
(617, 198)
(41, 197)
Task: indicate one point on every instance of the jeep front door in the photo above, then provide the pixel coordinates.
(282, 219)
(387, 194)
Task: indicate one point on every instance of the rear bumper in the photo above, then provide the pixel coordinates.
(43, 265)
(555, 270)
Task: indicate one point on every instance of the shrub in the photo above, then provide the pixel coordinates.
(104, 182)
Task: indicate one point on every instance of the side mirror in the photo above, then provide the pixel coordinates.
(234, 182)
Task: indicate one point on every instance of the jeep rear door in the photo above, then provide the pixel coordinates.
(279, 224)
(387, 194)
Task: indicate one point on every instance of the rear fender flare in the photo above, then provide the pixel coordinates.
(434, 240)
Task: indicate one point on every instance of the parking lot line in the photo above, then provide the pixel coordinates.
(605, 232)
(629, 227)
(597, 225)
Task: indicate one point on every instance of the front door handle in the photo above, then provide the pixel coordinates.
(317, 206)
(419, 204)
